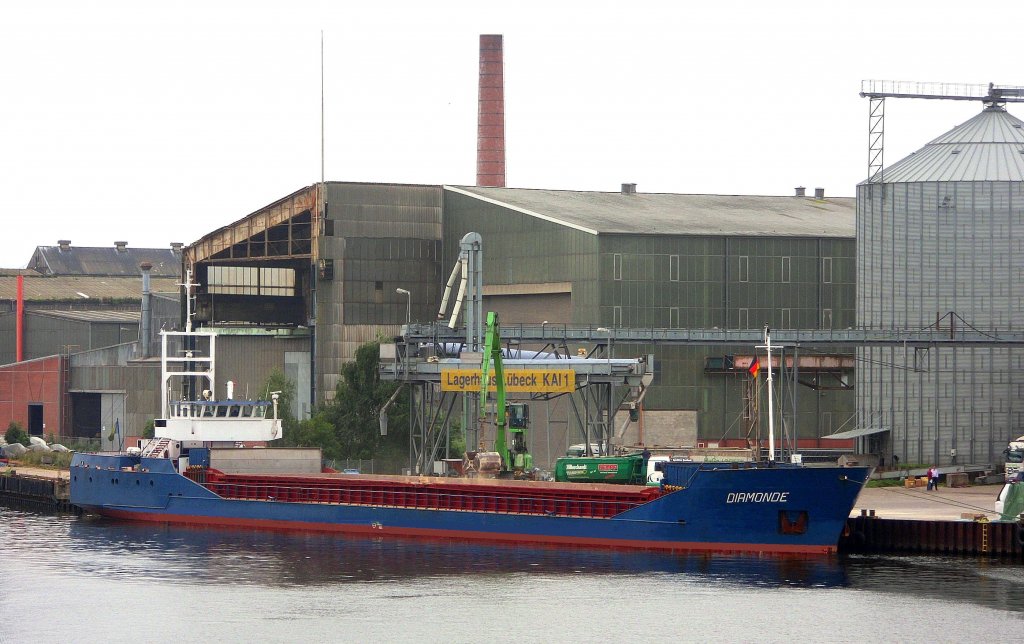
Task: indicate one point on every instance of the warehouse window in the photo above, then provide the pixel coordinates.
(744, 321)
(617, 316)
(673, 268)
(785, 269)
(673, 317)
(250, 280)
(826, 319)
(826, 270)
(784, 319)
(744, 268)
(617, 266)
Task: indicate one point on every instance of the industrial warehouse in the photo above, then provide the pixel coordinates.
(928, 246)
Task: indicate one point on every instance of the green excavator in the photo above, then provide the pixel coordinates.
(511, 420)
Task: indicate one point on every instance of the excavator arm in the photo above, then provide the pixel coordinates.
(492, 357)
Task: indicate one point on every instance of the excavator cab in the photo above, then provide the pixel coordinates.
(518, 417)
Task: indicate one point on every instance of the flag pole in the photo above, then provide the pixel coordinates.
(771, 413)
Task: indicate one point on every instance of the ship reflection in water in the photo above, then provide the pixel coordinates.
(289, 558)
(101, 577)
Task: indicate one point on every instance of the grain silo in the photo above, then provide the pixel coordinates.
(940, 243)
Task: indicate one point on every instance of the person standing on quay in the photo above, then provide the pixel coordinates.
(933, 478)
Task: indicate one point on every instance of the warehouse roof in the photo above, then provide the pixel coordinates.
(675, 214)
(120, 317)
(988, 147)
(65, 259)
(54, 288)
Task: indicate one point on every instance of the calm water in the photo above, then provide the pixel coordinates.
(67, 579)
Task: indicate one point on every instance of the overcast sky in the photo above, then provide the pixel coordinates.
(159, 122)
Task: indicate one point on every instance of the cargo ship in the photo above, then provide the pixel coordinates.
(195, 472)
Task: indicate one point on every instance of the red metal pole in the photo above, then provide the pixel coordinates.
(20, 322)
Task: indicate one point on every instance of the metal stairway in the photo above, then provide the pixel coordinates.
(157, 448)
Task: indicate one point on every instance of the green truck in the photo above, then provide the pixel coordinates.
(624, 470)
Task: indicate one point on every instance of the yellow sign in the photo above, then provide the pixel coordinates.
(520, 380)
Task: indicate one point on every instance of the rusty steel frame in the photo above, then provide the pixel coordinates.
(281, 212)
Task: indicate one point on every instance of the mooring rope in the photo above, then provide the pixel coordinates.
(934, 499)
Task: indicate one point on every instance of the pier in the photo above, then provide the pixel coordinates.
(37, 489)
(964, 537)
(944, 521)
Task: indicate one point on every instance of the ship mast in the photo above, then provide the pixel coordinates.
(771, 412)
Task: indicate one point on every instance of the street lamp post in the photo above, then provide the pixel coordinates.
(413, 467)
(608, 348)
(408, 304)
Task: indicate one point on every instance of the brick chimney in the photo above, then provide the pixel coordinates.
(490, 129)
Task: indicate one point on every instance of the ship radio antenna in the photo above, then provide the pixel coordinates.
(188, 284)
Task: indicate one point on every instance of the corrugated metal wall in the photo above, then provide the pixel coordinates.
(114, 370)
(520, 249)
(925, 250)
(247, 360)
(45, 335)
(8, 333)
(377, 238)
(676, 282)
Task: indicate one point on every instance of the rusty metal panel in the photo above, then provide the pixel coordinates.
(257, 223)
(870, 534)
(383, 237)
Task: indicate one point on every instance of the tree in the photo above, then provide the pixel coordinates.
(348, 427)
(16, 434)
(286, 394)
(314, 432)
(355, 411)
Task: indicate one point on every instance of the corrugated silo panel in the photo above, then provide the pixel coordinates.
(939, 251)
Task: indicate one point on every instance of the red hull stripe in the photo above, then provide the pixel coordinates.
(381, 530)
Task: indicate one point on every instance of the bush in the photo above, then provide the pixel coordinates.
(59, 460)
(885, 483)
(16, 434)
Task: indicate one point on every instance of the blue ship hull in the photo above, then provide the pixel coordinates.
(720, 507)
